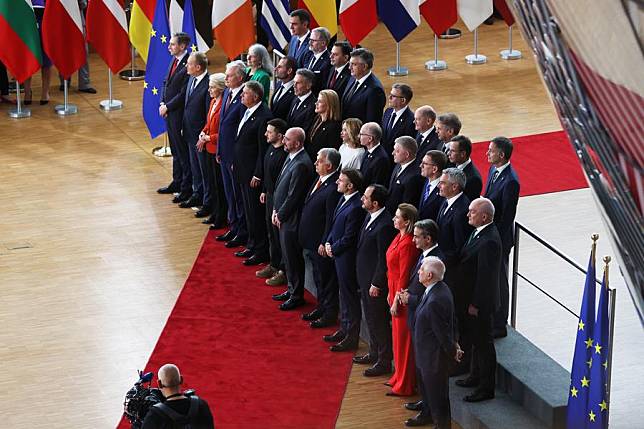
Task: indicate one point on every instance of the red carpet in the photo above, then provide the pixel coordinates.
(544, 162)
(257, 366)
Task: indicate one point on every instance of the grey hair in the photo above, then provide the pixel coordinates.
(264, 57)
(324, 33)
(239, 65)
(486, 206)
(435, 266)
(454, 175)
(409, 144)
(218, 80)
(331, 155)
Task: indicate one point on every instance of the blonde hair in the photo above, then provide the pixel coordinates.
(353, 127)
(408, 213)
(332, 100)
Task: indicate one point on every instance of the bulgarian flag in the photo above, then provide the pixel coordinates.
(21, 53)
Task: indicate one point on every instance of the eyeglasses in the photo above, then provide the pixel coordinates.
(395, 96)
(315, 40)
(363, 134)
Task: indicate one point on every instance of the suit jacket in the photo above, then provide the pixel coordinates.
(273, 162)
(371, 259)
(415, 288)
(504, 194)
(228, 122)
(376, 167)
(304, 114)
(366, 103)
(195, 110)
(327, 134)
(453, 229)
(174, 88)
(321, 68)
(290, 189)
(404, 126)
(474, 183)
(431, 142)
(405, 187)
(317, 213)
(341, 81)
(479, 268)
(301, 50)
(343, 234)
(250, 146)
(282, 107)
(212, 124)
(429, 208)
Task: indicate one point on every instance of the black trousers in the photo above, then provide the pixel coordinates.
(378, 318)
(350, 311)
(274, 247)
(181, 173)
(435, 392)
(293, 259)
(254, 215)
(483, 366)
(501, 316)
(219, 205)
(326, 283)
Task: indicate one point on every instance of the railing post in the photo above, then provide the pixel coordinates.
(515, 276)
(611, 317)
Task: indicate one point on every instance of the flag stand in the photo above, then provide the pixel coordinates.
(19, 112)
(132, 73)
(110, 104)
(435, 65)
(162, 151)
(451, 33)
(66, 109)
(398, 71)
(476, 58)
(510, 54)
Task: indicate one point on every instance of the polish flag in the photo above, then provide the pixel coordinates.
(439, 14)
(474, 12)
(358, 18)
(107, 32)
(232, 25)
(62, 36)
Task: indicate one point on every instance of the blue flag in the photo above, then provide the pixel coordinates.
(159, 60)
(275, 22)
(598, 396)
(401, 17)
(578, 394)
(188, 25)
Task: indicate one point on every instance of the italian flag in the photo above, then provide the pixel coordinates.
(19, 34)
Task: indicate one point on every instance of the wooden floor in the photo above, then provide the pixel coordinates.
(92, 259)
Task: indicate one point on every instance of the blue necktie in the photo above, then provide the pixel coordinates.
(426, 193)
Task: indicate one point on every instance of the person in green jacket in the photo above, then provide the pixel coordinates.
(260, 68)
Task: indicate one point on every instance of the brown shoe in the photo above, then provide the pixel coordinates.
(266, 273)
(277, 280)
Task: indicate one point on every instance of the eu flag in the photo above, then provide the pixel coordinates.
(159, 59)
(598, 395)
(188, 25)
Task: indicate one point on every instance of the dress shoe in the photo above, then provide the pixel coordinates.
(227, 236)
(88, 90)
(181, 198)
(284, 296)
(218, 224)
(365, 359)
(414, 406)
(322, 322)
(292, 303)
(467, 382)
(500, 333)
(235, 242)
(266, 273)
(377, 370)
(418, 420)
(478, 396)
(202, 212)
(246, 253)
(392, 393)
(278, 279)
(190, 202)
(335, 337)
(313, 315)
(61, 87)
(44, 102)
(168, 190)
(255, 260)
(346, 345)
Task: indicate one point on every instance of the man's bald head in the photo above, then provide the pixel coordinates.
(481, 212)
(169, 376)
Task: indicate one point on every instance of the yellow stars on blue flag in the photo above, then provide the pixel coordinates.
(153, 33)
(589, 363)
(155, 91)
(589, 343)
(573, 392)
(145, 85)
(585, 382)
(598, 348)
(603, 405)
(193, 48)
(581, 325)
(591, 416)
(164, 39)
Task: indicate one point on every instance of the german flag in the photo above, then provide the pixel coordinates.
(141, 25)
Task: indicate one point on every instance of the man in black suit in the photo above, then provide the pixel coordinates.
(302, 110)
(406, 182)
(317, 215)
(431, 168)
(375, 166)
(318, 59)
(194, 118)
(290, 192)
(447, 126)
(341, 245)
(460, 150)
(502, 189)
(248, 167)
(398, 119)
(171, 108)
(363, 97)
(375, 236)
(340, 74)
(480, 267)
(426, 136)
(284, 92)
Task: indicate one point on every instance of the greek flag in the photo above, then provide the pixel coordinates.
(275, 21)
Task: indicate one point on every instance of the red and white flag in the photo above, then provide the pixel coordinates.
(62, 36)
(439, 14)
(358, 18)
(505, 11)
(107, 32)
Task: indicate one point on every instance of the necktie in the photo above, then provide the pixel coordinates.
(353, 90)
(419, 139)
(333, 79)
(296, 106)
(317, 185)
(278, 94)
(243, 121)
(297, 48)
(192, 87)
(418, 264)
(174, 67)
(472, 237)
(495, 176)
(230, 99)
(288, 161)
(445, 148)
(312, 62)
(392, 121)
(425, 193)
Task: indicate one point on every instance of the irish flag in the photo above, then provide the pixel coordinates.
(232, 25)
(18, 31)
(141, 25)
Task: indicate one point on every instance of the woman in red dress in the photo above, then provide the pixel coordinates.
(402, 256)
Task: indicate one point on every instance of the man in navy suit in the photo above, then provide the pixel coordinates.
(317, 215)
(406, 183)
(375, 236)
(299, 23)
(340, 74)
(460, 150)
(447, 126)
(341, 245)
(398, 119)
(290, 192)
(375, 166)
(426, 136)
(318, 59)
(363, 97)
(302, 110)
(284, 92)
(431, 168)
(502, 189)
(171, 108)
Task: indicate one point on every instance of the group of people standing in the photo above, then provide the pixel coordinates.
(383, 209)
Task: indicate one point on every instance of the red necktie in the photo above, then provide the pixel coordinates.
(333, 79)
(174, 67)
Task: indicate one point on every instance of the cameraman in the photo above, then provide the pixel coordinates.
(177, 410)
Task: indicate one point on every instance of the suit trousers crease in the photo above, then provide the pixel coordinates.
(236, 219)
(350, 309)
(219, 206)
(254, 213)
(326, 283)
(483, 365)
(274, 248)
(181, 173)
(377, 317)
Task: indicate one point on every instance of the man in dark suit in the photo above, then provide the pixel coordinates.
(398, 119)
(480, 267)
(406, 183)
(431, 168)
(363, 97)
(375, 236)
(502, 189)
(460, 150)
(284, 92)
(426, 136)
(171, 108)
(375, 166)
(194, 118)
(317, 215)
(299, 23)
(318, 59)
(341, 245)
(340, 74)
(447, 126)
(435, 346)
(248, 167)
(302, 110)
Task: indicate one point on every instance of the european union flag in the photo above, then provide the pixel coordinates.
(159, 59)
(598, 395)
(188, 25)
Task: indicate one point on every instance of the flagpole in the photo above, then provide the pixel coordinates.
(398, 71)
(475, 58)
(436, 64)
(612, 293)
(510, 54)
(66, 109)
(162, 151)
(110, 104)
(19, 112)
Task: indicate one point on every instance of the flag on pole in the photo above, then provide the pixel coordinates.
(232, 25)
(159, 60)
(62, 36)
(188, 25)
(598, 395)
(275, 22)
(504, 10)
(474, 12)
(401, 17)
(201, 15)
(323, 14)
(141, 25)
(439, 14)
(577, 412)
(21, 52)
(107, 32)
(358, 18)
